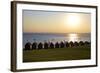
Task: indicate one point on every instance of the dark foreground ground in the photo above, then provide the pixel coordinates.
(57, 54)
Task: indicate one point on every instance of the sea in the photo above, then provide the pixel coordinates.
(55, 37)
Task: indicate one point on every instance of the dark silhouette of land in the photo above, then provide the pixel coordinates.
(50, 45)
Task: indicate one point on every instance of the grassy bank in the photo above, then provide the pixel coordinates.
(70, 53)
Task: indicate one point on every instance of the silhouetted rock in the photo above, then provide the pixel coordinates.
(51, 45)
(66, 44)
(40, 45)
(71, 44)
(56, 45)
(87, 43)
(34, 45)
(28, 46)
(62, 45)
(81, 43)
(46, 45)
(76, 43)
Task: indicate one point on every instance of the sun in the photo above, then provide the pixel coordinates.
(72, 20)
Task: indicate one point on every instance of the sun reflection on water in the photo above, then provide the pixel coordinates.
(73, 37)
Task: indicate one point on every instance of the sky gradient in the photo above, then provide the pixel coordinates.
(56, 22)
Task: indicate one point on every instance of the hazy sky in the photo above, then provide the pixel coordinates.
(56, 22)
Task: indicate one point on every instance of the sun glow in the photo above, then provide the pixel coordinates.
(72, 20)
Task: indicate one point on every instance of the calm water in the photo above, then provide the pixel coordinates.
(42, 37)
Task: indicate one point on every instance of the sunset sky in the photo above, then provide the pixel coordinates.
(56, 22)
